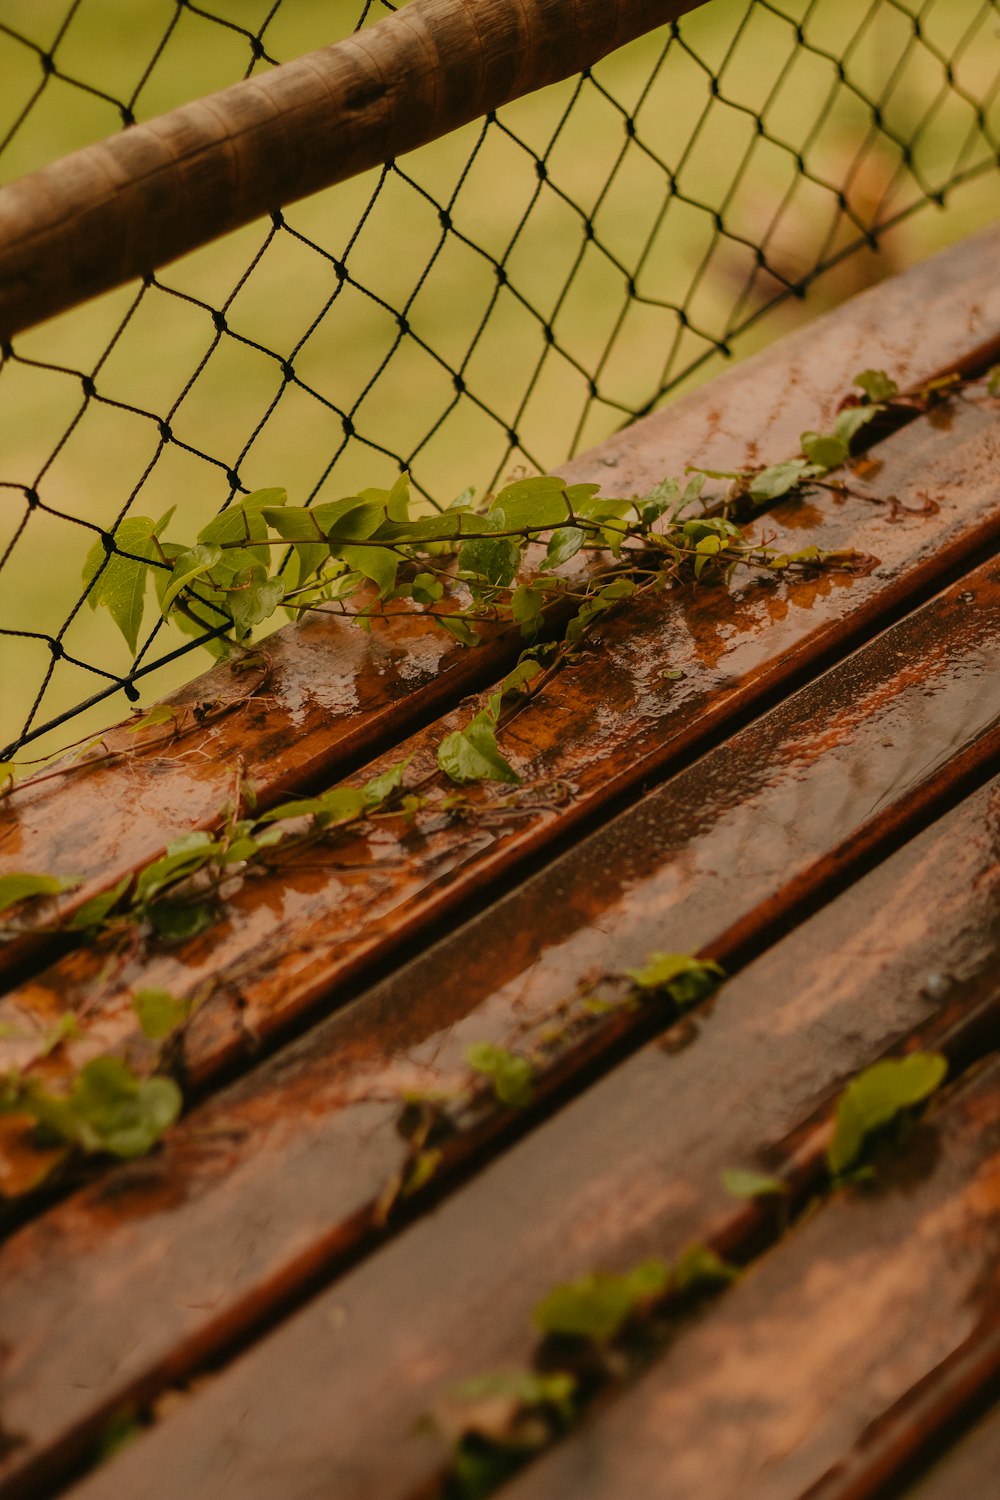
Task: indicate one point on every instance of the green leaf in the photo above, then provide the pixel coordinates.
(381, 787)
(495, 1422)
(741, 1183)
(528, 1387)
(108, 1109)
(564, 544)
(356, 524)
(664, 497)
(716, 473)
(160, 713)
(337, 806)
(300, 523)
(188, 567)
(877, 385)
(495, 562)
(93, 912)
(380, 564)
(596, 604)
(341, 805)
(254, 604)
(826, 450)
(301, 807)
(120, 584)
(876, 1097)
(422, 1172)
(444, 528)
(527, 606)
(598, 1305)
(244, 522)
(177, 921)
(683, 978)
(534, 504)
(471, 754)
(307, 559)
(510, 1073)
(694, 487)
(993, 381)
(700, 1267)
(15, 888)
(700, 528)
(120, 1114)
(397, 505)
(427, 589)
(121, 1430)
(519, 679)
(779, 479)
(184, 856)
(459, 627)
(851, 420)
(159, 1013)
(601, 508)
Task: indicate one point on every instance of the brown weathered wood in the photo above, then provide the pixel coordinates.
(266, 1257)
(335, 697)
(289, 939)
(787, 1381)
(629, 1169)
(279, 1175)
(970, 1469)
(129, 204)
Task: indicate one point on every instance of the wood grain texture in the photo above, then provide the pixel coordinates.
(128, 205)
(795, 1369)
(279, 1175)
(334, 696)
(630, 1169)
(891, 727)
(969, 1471)
(161, 1262)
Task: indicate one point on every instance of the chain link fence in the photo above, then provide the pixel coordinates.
(495, 301)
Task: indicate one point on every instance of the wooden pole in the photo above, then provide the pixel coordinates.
(127, 205)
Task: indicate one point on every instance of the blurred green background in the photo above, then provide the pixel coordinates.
(652, 199)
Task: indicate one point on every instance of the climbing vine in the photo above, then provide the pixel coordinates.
(547, 558)
(599, 1330)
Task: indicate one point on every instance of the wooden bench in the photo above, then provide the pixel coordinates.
(792, 778)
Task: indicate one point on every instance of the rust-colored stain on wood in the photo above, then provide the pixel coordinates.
(779, 1384)
(814, 789)
(279, 1172)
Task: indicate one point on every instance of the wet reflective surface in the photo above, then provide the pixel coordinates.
(746, 805)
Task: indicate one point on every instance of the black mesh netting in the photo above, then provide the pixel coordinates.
(493, 301)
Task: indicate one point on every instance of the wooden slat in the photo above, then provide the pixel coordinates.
(137, 1277)
(784, 1384)
(289, 939)
(127, 205)
(334, 696)
(969, 1471)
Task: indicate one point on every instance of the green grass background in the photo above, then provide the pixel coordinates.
(631, 347)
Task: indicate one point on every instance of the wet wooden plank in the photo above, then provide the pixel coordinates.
(277, 1176)
(291, 939)
(783, 1385)
(333, 696)
(969, 1471)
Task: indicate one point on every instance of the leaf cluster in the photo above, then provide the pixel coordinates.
(878, 1099)
(175, 895)
(496, 1422)
(108, 1110)
(361, 554)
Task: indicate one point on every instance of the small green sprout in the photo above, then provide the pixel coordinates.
(878, 1097)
